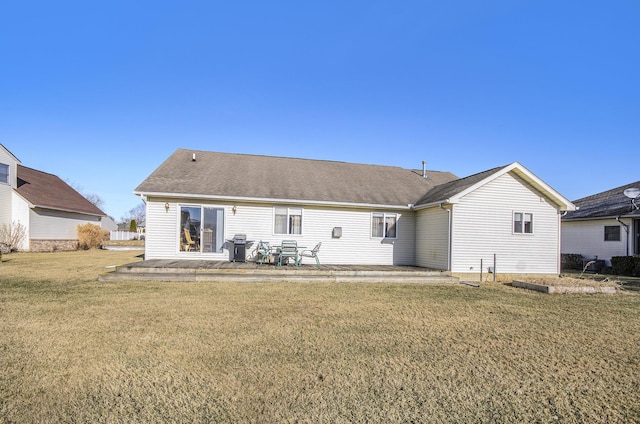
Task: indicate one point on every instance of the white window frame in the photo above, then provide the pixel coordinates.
(523, 221)
(384, 216)
(291, 211)
(201, 206)
(8, 180)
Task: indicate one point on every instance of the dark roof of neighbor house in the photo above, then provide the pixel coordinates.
(610, 203)
(49, 191)
(446, 190)
(266, 177)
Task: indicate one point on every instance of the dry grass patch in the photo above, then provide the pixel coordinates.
(75, 350)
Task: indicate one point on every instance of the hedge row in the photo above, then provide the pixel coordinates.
(626, 265)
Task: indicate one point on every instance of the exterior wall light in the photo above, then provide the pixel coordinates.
(166, 207)
(234, 209)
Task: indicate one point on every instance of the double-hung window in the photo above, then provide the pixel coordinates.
(611, 233)
(287, 220)
(522, 223)
(4, 173)
(383, 225)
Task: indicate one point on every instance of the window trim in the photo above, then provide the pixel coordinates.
(384, 216)
(523, 223)
(289, 209)
(8, 181)
(619, 239)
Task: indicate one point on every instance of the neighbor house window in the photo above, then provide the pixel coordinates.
(611, 233)
(523, 223)
(287, 221)
(384, 225)
(4, 173)
(201, 229)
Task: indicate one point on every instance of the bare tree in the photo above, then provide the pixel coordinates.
(137, 214)
(12, 236)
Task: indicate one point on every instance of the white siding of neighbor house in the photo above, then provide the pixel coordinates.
(57, 225)
(432, 238)
(6, 190)
(20, 214)
(7, 159)
(483, 226)
(6, 196)
(257, 220)
(587, 238)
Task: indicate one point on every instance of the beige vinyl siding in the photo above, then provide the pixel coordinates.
(356, 246)
(483, 226)
(432, 238)
(587, 238)
(55, 225)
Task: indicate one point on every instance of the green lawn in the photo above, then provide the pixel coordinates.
(76, 350)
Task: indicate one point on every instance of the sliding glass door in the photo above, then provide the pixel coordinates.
(201, 229)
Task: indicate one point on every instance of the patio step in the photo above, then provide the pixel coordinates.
(332, 276)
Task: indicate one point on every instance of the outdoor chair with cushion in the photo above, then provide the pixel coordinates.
(288, 250)
(263, 251)
(313, 253)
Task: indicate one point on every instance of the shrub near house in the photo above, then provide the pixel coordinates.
(91, 236)
(626, 265)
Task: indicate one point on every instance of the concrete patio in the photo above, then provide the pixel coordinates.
(224, 271)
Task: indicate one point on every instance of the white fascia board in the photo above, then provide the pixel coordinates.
(436, 204)
(565, 204)
(272, 200)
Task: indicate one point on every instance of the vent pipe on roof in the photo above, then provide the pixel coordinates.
(424, 169)
(193, 158)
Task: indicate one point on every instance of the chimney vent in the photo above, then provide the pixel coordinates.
(193, 158)
(424, 169)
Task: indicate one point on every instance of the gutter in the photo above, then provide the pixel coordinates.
(49, 208)
(409, 206)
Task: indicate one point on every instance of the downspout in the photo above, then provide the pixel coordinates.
(626, 229)
(448, 236)
(559, 259)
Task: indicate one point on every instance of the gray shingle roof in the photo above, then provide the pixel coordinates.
(49, 191)
(446, 190)
(266, 177)
(610, 203)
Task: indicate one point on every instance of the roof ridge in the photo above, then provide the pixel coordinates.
(343, 162)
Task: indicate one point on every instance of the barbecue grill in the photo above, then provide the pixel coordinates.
(238, 248)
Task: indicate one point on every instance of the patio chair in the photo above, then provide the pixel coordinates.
(313, 253)
(288, 249)
(263, 251)
(189, 243)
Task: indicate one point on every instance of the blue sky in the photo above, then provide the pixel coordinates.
(100, 93)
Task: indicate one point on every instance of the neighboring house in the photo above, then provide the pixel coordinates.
(108, 223)
(362, 214)
(48, 208)
(606, 224)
